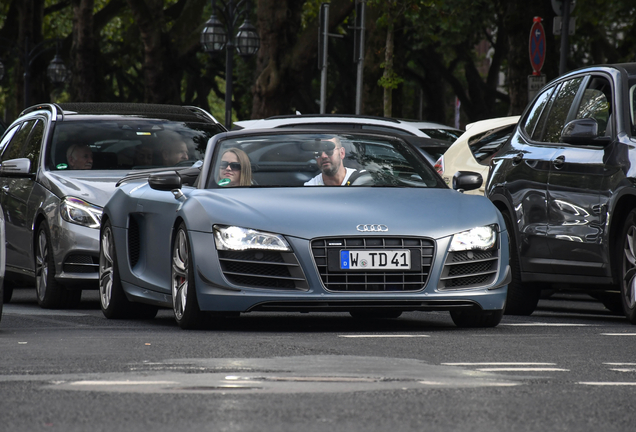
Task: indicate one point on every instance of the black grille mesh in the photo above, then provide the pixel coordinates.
(373, 280)
(263, 269)
(81, 264)
(469, 269)
(133, 242)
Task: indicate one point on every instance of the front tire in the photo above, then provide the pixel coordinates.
(112, 297)
(521, 299)
(185, 305)
(627, 261)
(475, 317)
(51, 294)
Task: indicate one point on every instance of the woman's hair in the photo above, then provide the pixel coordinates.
(246, 166)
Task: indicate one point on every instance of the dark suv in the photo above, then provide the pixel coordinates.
(59, 166)
(566, 185)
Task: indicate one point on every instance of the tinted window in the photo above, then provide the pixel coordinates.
(532, 126)
(7, 137)
(596, 103)
(559, 110)
(15, 149)
(34, 145)
(130, 144)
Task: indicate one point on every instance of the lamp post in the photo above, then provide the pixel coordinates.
(217, 35)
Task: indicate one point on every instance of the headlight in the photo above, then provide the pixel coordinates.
(77, 211)
(480, 238)
(237, 238)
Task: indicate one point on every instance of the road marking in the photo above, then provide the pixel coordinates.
(618, 334)
(115, 383)
(540, 324)
(608, 383)
(499, 364)
(620, 364)
(383, 336)
(522, 369)
(622, 370)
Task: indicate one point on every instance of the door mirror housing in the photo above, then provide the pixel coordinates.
(467, 180)
(583, 132)
(165, 181)
(16, 168)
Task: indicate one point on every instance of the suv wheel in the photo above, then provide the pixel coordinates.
(522, 298)
(627, 261)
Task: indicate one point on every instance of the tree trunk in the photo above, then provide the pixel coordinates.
(287, 52)
(388, 70)
(84, 86)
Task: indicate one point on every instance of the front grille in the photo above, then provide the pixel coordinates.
(327, 251)
(263, 269)
(134, 241)
(81, 264)
(469, 269)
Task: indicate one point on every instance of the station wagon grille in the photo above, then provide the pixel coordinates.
(263, 269)
(338, 280)
(469, 269)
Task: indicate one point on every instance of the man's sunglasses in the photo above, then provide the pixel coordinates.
(318, 154)
(235, 166)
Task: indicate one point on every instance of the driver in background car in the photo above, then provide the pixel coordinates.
(173, 149)
(329, 155)
(79, 157)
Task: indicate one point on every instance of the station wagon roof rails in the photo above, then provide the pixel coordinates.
(53, 108)
(392, 120)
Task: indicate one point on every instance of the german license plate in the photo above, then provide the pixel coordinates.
(375, 259)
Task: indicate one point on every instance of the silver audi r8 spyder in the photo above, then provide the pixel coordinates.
(258, 227)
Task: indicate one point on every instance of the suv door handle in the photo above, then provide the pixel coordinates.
(558, 161)
(5, 189)
(517, 158)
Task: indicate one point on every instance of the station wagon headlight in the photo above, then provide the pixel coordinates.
(237, 238)
(479, 238)
(77, 211)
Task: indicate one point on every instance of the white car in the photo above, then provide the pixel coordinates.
(430, 146)
(435, 130)
(473, 150)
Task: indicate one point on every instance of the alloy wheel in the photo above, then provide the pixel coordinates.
(180, 263)
(106, 268)
(41, 265)
(629, 268)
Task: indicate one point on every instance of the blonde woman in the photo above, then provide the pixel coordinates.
(235, 165)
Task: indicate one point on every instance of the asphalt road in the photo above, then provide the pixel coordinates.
(571, 366)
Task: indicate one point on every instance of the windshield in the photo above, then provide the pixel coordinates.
(127, 144)
(319, 159)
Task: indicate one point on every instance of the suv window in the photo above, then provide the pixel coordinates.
(34, 145)
(7, 137)
(559, 110)
(596, 104)
(533, 127)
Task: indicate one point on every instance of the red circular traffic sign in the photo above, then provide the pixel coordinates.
(537, 46)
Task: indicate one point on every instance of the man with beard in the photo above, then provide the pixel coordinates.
(329, 156)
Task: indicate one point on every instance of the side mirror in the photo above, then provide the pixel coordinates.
(583, 131)
(165, 181)
(16, 168)
(467, 180)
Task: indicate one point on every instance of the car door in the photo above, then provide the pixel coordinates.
(577, 176)
(16, 192)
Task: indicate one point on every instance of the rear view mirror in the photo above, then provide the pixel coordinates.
(16, 168)
(165, 181)
(467, 180)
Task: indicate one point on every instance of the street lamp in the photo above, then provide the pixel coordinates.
(216, 35)
(56, 71)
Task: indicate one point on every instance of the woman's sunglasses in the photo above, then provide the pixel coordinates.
(234, 166)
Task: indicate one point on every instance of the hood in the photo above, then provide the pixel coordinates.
(310, 212)
(95, 187)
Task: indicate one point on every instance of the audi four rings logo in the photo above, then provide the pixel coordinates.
(372, 228)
